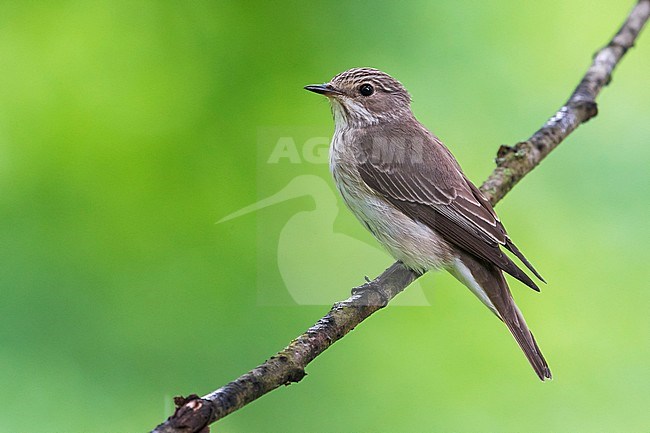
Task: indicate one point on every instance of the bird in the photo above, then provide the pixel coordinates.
(405, 186)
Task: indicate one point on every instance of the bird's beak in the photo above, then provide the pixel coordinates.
(324, 89)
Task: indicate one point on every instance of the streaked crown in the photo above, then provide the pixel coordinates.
(363, 96)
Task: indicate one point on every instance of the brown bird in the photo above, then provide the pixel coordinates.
(409, 191)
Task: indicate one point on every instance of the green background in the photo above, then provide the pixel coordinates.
(128, 128)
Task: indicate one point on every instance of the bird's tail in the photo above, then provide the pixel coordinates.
(489, 284)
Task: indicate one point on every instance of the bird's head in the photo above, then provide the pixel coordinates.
(365, 96)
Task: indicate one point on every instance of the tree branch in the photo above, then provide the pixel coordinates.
(194, 414)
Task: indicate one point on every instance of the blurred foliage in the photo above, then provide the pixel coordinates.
(127, 129)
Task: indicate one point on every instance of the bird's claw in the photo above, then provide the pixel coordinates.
(363, 288)
(370, 288)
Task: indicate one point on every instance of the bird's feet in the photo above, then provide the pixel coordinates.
(371, 291)
(359, 290)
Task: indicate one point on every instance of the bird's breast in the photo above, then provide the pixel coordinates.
(409, 241)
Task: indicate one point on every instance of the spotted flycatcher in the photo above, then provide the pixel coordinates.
(406, 187)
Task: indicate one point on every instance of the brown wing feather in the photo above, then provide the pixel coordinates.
(414, 171)
(508, 242)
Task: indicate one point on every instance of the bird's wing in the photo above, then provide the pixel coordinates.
(413, 170)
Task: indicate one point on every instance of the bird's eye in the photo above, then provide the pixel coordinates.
(366, 89)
